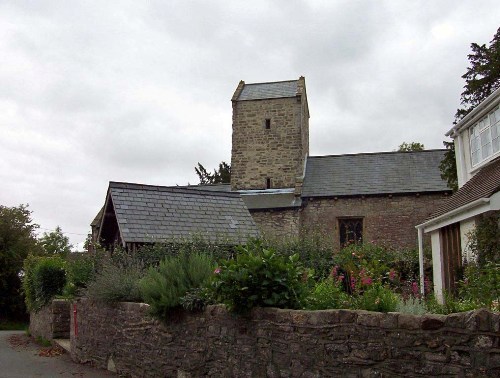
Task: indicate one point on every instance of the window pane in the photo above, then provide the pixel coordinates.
(486, 150)
(475, 158)
(497, 114)
(493, 118)
(496, 145)
(485, 137)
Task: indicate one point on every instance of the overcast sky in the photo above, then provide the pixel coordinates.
(139, 91)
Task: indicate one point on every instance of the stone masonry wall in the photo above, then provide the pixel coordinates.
(286, 343)
(52, 321)
(277, 223)
(389, 221)
(259, 153)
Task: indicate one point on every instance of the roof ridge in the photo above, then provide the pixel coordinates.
(273, 82)
(174, 189)
(378, 153)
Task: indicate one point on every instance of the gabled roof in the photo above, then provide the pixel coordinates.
(261, 91)
(483, 184)
(374, 173)
(147, 213)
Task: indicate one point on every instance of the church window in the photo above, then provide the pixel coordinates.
(350, 230)
(268, 123)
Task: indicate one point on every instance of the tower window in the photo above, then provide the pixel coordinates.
(268, 123)
(268, 183)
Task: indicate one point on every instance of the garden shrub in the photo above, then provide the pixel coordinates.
(481, 285)
(327, 294)
(484, 240)
(412, 305)
(81, 269)
(44, 279)
(451, 304)
(164, 287)
(260, 277)
(116, 282)
(377, 298)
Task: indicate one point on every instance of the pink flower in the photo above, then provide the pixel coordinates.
(392, 275)
(217, 270)
(366, 281)
(353, 283)
(340, 278)
(414, 288)
(334, 272)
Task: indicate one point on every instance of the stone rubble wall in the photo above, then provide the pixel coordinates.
(52, 321)
(285, 343)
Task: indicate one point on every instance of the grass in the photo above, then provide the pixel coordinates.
(43, 341)
(12, 325)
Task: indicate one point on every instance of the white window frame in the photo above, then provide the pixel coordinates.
(484, 138)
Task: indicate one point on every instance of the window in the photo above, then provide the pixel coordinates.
(268, 123)
(350, 230)
(485, 137)
(268, 183)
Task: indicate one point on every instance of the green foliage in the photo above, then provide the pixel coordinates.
(451, 305)
(412, 305)
(448, 166)
(484, 240)
(196, 299)
(327, 294)
(481, 285)
(44, 279)
(17, 240)
(116, 282)
(260, 277)
(164, 287)
(220, 176)
(81, 269)
(12, 325)
(482, 77)
(42, 341)
(55, 243)
(377, 298)
(412, 146)
(315, 252)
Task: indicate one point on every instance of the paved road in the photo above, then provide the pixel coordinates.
(19, 359)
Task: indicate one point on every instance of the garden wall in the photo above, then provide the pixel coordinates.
(52, 321)
(285, 343)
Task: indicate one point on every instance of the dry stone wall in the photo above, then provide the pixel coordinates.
(286, 343)
(52, 321)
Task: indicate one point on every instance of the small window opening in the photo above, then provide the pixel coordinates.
(351, 231)
(268, 183)
(268, 123)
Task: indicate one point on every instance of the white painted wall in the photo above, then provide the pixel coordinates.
(466, 227)
(437, 266)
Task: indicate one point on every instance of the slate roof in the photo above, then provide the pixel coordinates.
(483, 184)
(147, 213)
(261, 91)
(374, 173)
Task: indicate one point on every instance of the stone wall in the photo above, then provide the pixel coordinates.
(386, 220)
(277, 223)
(277, 153)
(52, 321)
(286, 343)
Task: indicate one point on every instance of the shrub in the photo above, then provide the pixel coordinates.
(115, 283)
(327, 294)
(481, 285)
(412, 305)
(44, 278)
(451, 305)
(80, 269)
(164, 287)
(196, 299)
(377, 298)
(485, 239)
(259, 277)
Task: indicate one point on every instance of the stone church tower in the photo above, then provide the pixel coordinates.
(270, 134)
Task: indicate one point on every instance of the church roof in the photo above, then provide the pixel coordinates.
(147, 213)
(483, 184)
(261, 91)
(374, 173)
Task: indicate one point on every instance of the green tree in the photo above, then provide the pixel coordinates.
(412, 146)
(55, 243)
(220, 176)
(17, 240)
(482, 78)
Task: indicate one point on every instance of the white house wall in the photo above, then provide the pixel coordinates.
(466, 227)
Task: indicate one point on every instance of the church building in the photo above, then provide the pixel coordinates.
(372, 197)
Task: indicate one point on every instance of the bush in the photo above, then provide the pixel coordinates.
(327, 294)
(485, 239)
(44, 279)
(412, 305)
(116, 283)
(481, 285)
(451, 305)
(260, 277)
(81, 269)
(164, 287)
(377, 298)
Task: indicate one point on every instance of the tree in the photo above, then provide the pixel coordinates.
(482, 78)
(220, 176)
(412, 146)
(55, 243)
(17, 240)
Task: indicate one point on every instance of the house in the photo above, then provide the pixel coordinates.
(477, 148)
(375, 197)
